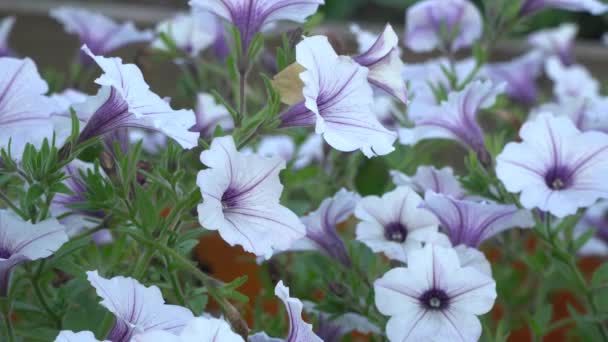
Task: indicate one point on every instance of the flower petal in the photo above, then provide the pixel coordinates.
(70, 336)
(299, 330)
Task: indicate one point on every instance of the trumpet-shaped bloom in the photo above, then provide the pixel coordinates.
(434, 298)
(596, 218)
(556, 42)
(447, 24)
(6, 25)
(70, 336)
(587, 114)
(21, 241)
(199, 329)
(24, 110)
(520, 76)
(338, 101)
(191, 33)
(299, 330)
(595, 7)
(551, 172)
(251, 16)
(470, 223)
(125, 100)
(570, 82)
(101, 34)
(441, 181)
(241, 199)
(384, 64)
(394, 224)
(321, 226)
(209, 115)
(137, 308)
(455, 118)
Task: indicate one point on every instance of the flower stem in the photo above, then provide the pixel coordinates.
(35, 279)
(13, 207)
(7, 308)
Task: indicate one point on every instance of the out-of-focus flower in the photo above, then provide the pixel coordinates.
(299, 330)
(101, 34)
(199, 329)
(151, 142)
(587, 114)
(24, 110)
(137, 308)
(520, 76)
(281, 146)
(394, 224)
(441, 181)
(556, 42)
(434, 298)
(470, 223)
(6, 25)
(338, 101)
(551, 172)
(82, 336)
(570, 82)
(310, 151)
(592, 6)
(125, 100)
(62, 116)
(209, 115)
(21, 241)
(596, 218)
(241, 199)
(251, 16)
(446, 24)
(332, 329)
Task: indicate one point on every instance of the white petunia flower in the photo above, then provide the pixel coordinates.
(441, 181)
(570, 82)
(82, 336)
(209, 115)
(558, 42)
(192, 32)
(199, 329)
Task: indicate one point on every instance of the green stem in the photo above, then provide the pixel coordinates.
(13, 207)
(6, 312)
(35, 280)
(142, 263)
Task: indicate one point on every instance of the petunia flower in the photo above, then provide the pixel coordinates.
(556, 167)
(596, 218)
(434, 298)
(570, 82)
(520, 75)
(199, 329)
(21, 241)
(338, 101)
(62, 115)
(241, 200)
(455, 118)
(332, 328)
(384, 64)
(470, 223)
(190, 32)
(446, 24)
(310, 151)
(558, 42)
(6, 25)
(251, 16)
(594, 7)
(209, 115)
(24, 110)
(137, 308)
(125, 100)
(394, 224)
(82, 336)
(299, 330)
(588, 114)
(101, 34)
(441, 181)
(321, 226)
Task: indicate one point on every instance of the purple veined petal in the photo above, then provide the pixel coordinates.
(209, 115)
(520, 76)
(470, 223)
(24, 110)
(191, 32)
(595, 218)
(250, 16)
(81, 336)
(556, 42)
(441, 181)
(384, 63)
(336, 90)
(573, 81)
(6, 25)
(199, 329)
(101, 34)
(451, 24)
(594, 7)
(299, 330)
(587, 114)
(137, 308)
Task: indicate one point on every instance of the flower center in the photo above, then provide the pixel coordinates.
(558, 178)
(230, 198)
(5, 253)
(395, 232)
(434, 299)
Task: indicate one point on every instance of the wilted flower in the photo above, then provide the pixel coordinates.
(199, 329)
(191, 33)
(299, 330)
(442, 181)
(556, 42)
(251, 16)
(394, 224)
(446, 24)
(209, 115)
(434, 298)
(570, 82)
(24, 110)
(595, 7)
(125, 100)
(241, 199)
(470, 223)
(520, 76)
(137, 308)
(21, 241)
(551, 172)
(338, 101)
(101, 34)
(6, 25)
